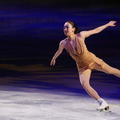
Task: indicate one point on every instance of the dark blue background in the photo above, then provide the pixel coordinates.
(30, 32)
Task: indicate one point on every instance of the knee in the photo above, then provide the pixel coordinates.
(85, 85)
(111, 71)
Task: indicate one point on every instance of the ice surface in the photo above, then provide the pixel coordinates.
(34, 104)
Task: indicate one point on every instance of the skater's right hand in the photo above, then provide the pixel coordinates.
(52, 63)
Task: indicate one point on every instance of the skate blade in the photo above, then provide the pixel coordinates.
(106, 109)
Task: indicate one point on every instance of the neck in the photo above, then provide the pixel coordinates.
(71, 37)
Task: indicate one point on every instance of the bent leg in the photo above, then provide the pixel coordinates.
(107, 69)
(85, 82)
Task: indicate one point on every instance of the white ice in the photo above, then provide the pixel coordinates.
(37, 104)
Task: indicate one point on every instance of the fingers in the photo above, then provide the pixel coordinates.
(52, 63)
(112, 23)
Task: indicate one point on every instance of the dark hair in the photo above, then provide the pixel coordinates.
(74, 26)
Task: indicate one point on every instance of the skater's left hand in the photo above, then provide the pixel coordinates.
(112, 23)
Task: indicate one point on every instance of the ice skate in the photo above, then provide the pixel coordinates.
(104, 109)
(103, 106)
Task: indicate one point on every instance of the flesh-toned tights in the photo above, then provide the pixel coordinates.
(85, 78)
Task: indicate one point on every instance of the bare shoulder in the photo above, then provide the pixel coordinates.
(63, 42)
(81, 35)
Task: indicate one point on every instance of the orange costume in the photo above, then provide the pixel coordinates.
(84, 59)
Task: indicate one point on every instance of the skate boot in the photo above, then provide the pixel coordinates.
(103, 106)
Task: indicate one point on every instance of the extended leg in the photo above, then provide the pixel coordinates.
(107, 69)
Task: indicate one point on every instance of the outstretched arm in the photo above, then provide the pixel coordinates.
(58, 52)
(98, 29)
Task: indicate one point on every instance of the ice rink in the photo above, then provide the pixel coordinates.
(20, 103)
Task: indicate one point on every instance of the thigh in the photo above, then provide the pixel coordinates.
(104, 67)
(85, 76)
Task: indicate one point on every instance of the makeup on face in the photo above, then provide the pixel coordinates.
(67, 28)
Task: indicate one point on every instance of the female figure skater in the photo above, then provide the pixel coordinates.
(86, 61)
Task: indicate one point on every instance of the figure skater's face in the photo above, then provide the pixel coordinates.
(68, 29)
